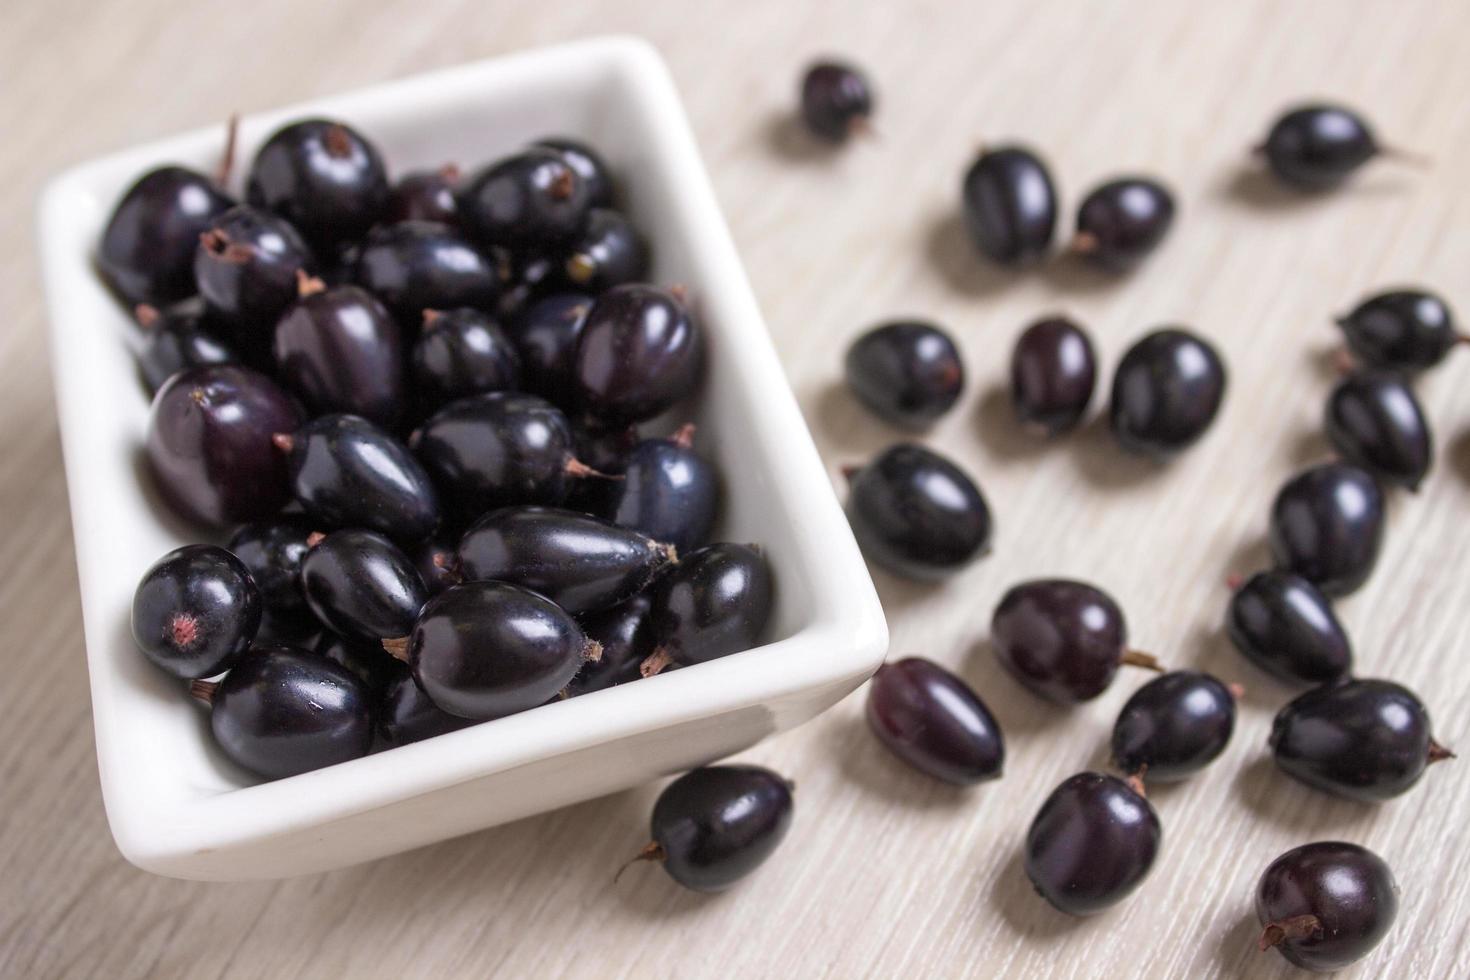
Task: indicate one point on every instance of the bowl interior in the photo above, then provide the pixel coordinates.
(121, 527)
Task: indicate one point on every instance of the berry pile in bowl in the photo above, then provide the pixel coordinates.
(422, 408)
(454, 431)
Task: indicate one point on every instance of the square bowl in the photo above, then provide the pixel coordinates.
(176, 806)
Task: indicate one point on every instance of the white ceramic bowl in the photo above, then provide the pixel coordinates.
(176, 806)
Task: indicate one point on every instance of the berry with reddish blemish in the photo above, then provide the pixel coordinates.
(196, 611)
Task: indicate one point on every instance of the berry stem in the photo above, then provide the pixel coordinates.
(1135, 781)
(307, 284)
(146, 314)
(203, 690)
(431, 317)
(397, 647)
(227, 158)
(592, 652)
(1137, 658)
(1439, 753)
(656, 662)
(580, 470)
(651, 851)
(1083, 243)
(283, 442)
(684, 437)
(1296, 927)
(1234, 581)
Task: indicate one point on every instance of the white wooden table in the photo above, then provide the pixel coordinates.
(885, 873)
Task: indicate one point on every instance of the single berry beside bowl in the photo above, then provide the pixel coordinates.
(713, 826)
(1174, 726)
(934, 721)
(836, 101)
(1010, 205)
(917, 514)
(1167, 390)
(1092, 843)
(1063, 640)
(1324, 906)
(1053, 373)
(1121, 222)
(907, 372)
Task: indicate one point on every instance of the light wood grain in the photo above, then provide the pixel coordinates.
(884, 874)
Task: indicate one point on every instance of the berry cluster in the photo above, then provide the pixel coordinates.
(424, 407)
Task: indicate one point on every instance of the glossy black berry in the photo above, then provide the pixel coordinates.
(1285, 625)
(340, 350)
(917, 514)
(1092, 843)
(1316, 147)
(209, 444)
(1064, 640)
(1375, 421)
(347, 472)
(609, 252)
(625, 633)
(365, 658)
(588, 164)
(525, 277)
(836, 100)
(196, 611)
(534, 200)
(1405, 330)
(1327, 526)
(907, 372)
(715, 602)
(1326, 905)
(1174, 726)
(581, 563)
(462, 352)
(640, 352)
(414, 266)
(361, 585)
(174, 339)
(272, 551)
(1010, 205)
(546, 334)
(713, 826)
(1366, 740)
(405, 713)
(435, 559)
(426, 195)
(246, 267)
(498, 449)
(488, 649)
(147, 249)
(282, 711)
(323, 177)
(1121, 222)
(668, 491)
(1166, 392)
(1053, 373)
(935, 722)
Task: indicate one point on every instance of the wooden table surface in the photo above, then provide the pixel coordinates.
(885, 873)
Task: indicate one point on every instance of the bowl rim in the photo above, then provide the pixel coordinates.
(844, 636)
